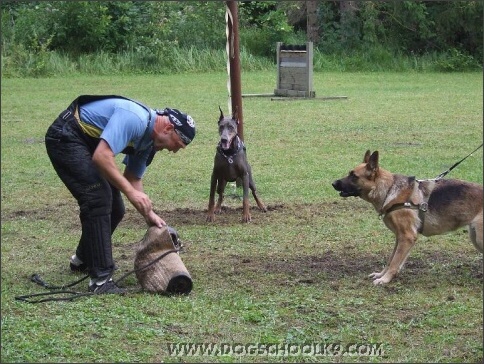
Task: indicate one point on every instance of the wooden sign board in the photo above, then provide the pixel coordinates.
(295, 70)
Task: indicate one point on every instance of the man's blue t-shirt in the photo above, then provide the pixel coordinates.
(124, 125)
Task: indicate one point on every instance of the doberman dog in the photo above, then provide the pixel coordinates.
(230, 164)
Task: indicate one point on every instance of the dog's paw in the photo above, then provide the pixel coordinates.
(210, 218)
(376, 274)
(378, 282)
(246, 218)
(261, 206)
(383, 280)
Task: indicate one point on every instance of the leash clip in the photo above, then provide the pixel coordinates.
(230, 160)
(36, 279)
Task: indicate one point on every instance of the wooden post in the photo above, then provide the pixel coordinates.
(312, 21)
(234, 61)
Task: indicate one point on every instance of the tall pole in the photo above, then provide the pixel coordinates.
(312, 21)
(234, 63)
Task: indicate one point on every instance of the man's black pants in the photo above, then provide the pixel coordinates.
(101, 205)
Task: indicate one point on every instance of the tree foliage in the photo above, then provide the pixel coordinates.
(150, 28)
(411, 27)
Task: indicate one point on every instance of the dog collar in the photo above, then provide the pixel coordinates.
(230, 153)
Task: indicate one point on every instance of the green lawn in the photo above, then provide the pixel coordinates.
(295, 275)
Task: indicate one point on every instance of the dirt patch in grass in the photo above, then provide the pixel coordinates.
(233, 215)
(336, 262)
(307, 264)
(69, 211)
(333, 264)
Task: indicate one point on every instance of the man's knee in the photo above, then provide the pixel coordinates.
(97, 201)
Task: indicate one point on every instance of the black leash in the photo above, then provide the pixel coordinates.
(27, 298)
(71, 295)
(443, 174)
(56, 290)
(36, 279)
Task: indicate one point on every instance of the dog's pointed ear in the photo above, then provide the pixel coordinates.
(366, 158)
(235, 115)
(372, 163)
(221, 113)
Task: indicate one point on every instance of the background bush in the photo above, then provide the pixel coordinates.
(44, 38)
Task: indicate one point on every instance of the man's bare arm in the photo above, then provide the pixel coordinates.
(103, 159)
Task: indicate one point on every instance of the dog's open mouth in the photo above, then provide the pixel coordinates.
(349, 193)
(226, 143)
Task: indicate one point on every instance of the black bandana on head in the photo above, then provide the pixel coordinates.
(183, 123)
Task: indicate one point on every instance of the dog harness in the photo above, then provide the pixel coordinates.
(421, 207)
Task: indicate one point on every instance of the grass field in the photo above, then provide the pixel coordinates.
(295, 275)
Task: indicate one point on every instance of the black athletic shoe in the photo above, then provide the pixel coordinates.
(81, 268)
(77, 265)
(108, 287)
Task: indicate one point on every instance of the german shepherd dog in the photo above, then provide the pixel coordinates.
(409, 207)
(230, 164)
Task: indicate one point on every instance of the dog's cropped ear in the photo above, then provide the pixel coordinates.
(372, 163)
(221, 113)
(235, 116)
(366, 158)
